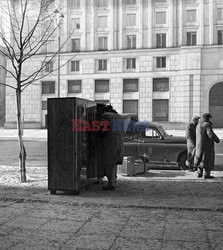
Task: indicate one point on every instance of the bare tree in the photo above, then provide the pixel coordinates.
(32, 26)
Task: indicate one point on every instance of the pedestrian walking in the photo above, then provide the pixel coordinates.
(112, 144)
(205, 153)
(191, 142)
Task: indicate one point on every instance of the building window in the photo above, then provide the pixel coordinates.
(75, 66)
(102, 22)
(191, 1)
(160, 84)
(76, 23)
(191, 15)
(74, 86)
(102, 43)
(130, 2)
(48, 87)
(161, 62)
(75, 44)
(131, 42)
(130, 106)
(161, 110)
(160, 17)
(191, 38)
(102, 3)
(130, 85)
(130, 63)
(49, 67)
(102, 101)
(160, 1)
(101, 86)
(220, 14)
(73, 4)
(220, 37)
(131, 20)
(44, 105)
(102, 64)
(161, 40)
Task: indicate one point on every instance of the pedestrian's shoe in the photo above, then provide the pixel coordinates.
(199, 176)
(191, 170)
(109, 187)
(208, 177)
(200, 173)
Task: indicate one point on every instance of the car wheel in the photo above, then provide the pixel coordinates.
(182, 161)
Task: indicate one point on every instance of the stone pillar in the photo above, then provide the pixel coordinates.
(180, 17)
(201, 42)
(171, 23)
(111, 26)
(120, 18)
(92, 25)
(211, 23)
(150, 24)
(140, 22)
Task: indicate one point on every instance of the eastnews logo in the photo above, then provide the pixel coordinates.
(117, 125)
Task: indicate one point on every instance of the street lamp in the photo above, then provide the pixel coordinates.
(58, 52)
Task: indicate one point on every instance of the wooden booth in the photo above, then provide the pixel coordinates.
(73, 150)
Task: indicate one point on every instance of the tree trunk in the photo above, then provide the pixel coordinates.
(22, 153)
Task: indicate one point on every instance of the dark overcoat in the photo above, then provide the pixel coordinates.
(112, 140)
(205, 138)
(191, 140)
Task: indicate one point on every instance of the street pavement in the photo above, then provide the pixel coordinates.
(162, 209)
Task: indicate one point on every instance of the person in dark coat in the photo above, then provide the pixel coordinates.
(191, 141)
(112, 144)
(205, 154)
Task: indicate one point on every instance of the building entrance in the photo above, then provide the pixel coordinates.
(216, 104)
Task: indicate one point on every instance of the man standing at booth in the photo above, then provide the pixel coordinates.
(112, 144)
(205, 153)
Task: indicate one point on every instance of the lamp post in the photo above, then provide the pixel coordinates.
(58, 51)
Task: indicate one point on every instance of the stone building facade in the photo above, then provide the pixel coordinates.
(161, 59)
(2, 88)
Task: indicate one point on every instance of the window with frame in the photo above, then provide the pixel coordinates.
(73, 4)
(102, 64)
(75, 66)
(102, 22)
(44, 105)
(131, 20)
(130, 2)
(191, 38)
(160, 17)
(161, 62)
(102, 3)
(160, 1)
(75, 44)
(74, 86)
(131, 42)
(130, 63)
(161, 110)
(101, 86)
(130, 106)
(190, 1)
(160, 84)
(150, 133)
(191, 15)
(220, 37)
(220, 14)
(130, 85)
(76, 23)
(49, 67)
(102, 43)
(48, 87)
(161, 40)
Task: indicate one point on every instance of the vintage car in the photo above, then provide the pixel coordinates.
(149, 141)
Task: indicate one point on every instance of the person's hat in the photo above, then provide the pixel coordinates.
(207, 115)
(107, 107)
(196, 118)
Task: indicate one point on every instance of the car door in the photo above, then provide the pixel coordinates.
(130, 141)
(152, 145)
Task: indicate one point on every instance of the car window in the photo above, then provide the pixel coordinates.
(150, 133)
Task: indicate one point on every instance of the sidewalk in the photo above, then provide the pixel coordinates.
(157, 210)
(41, 134)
